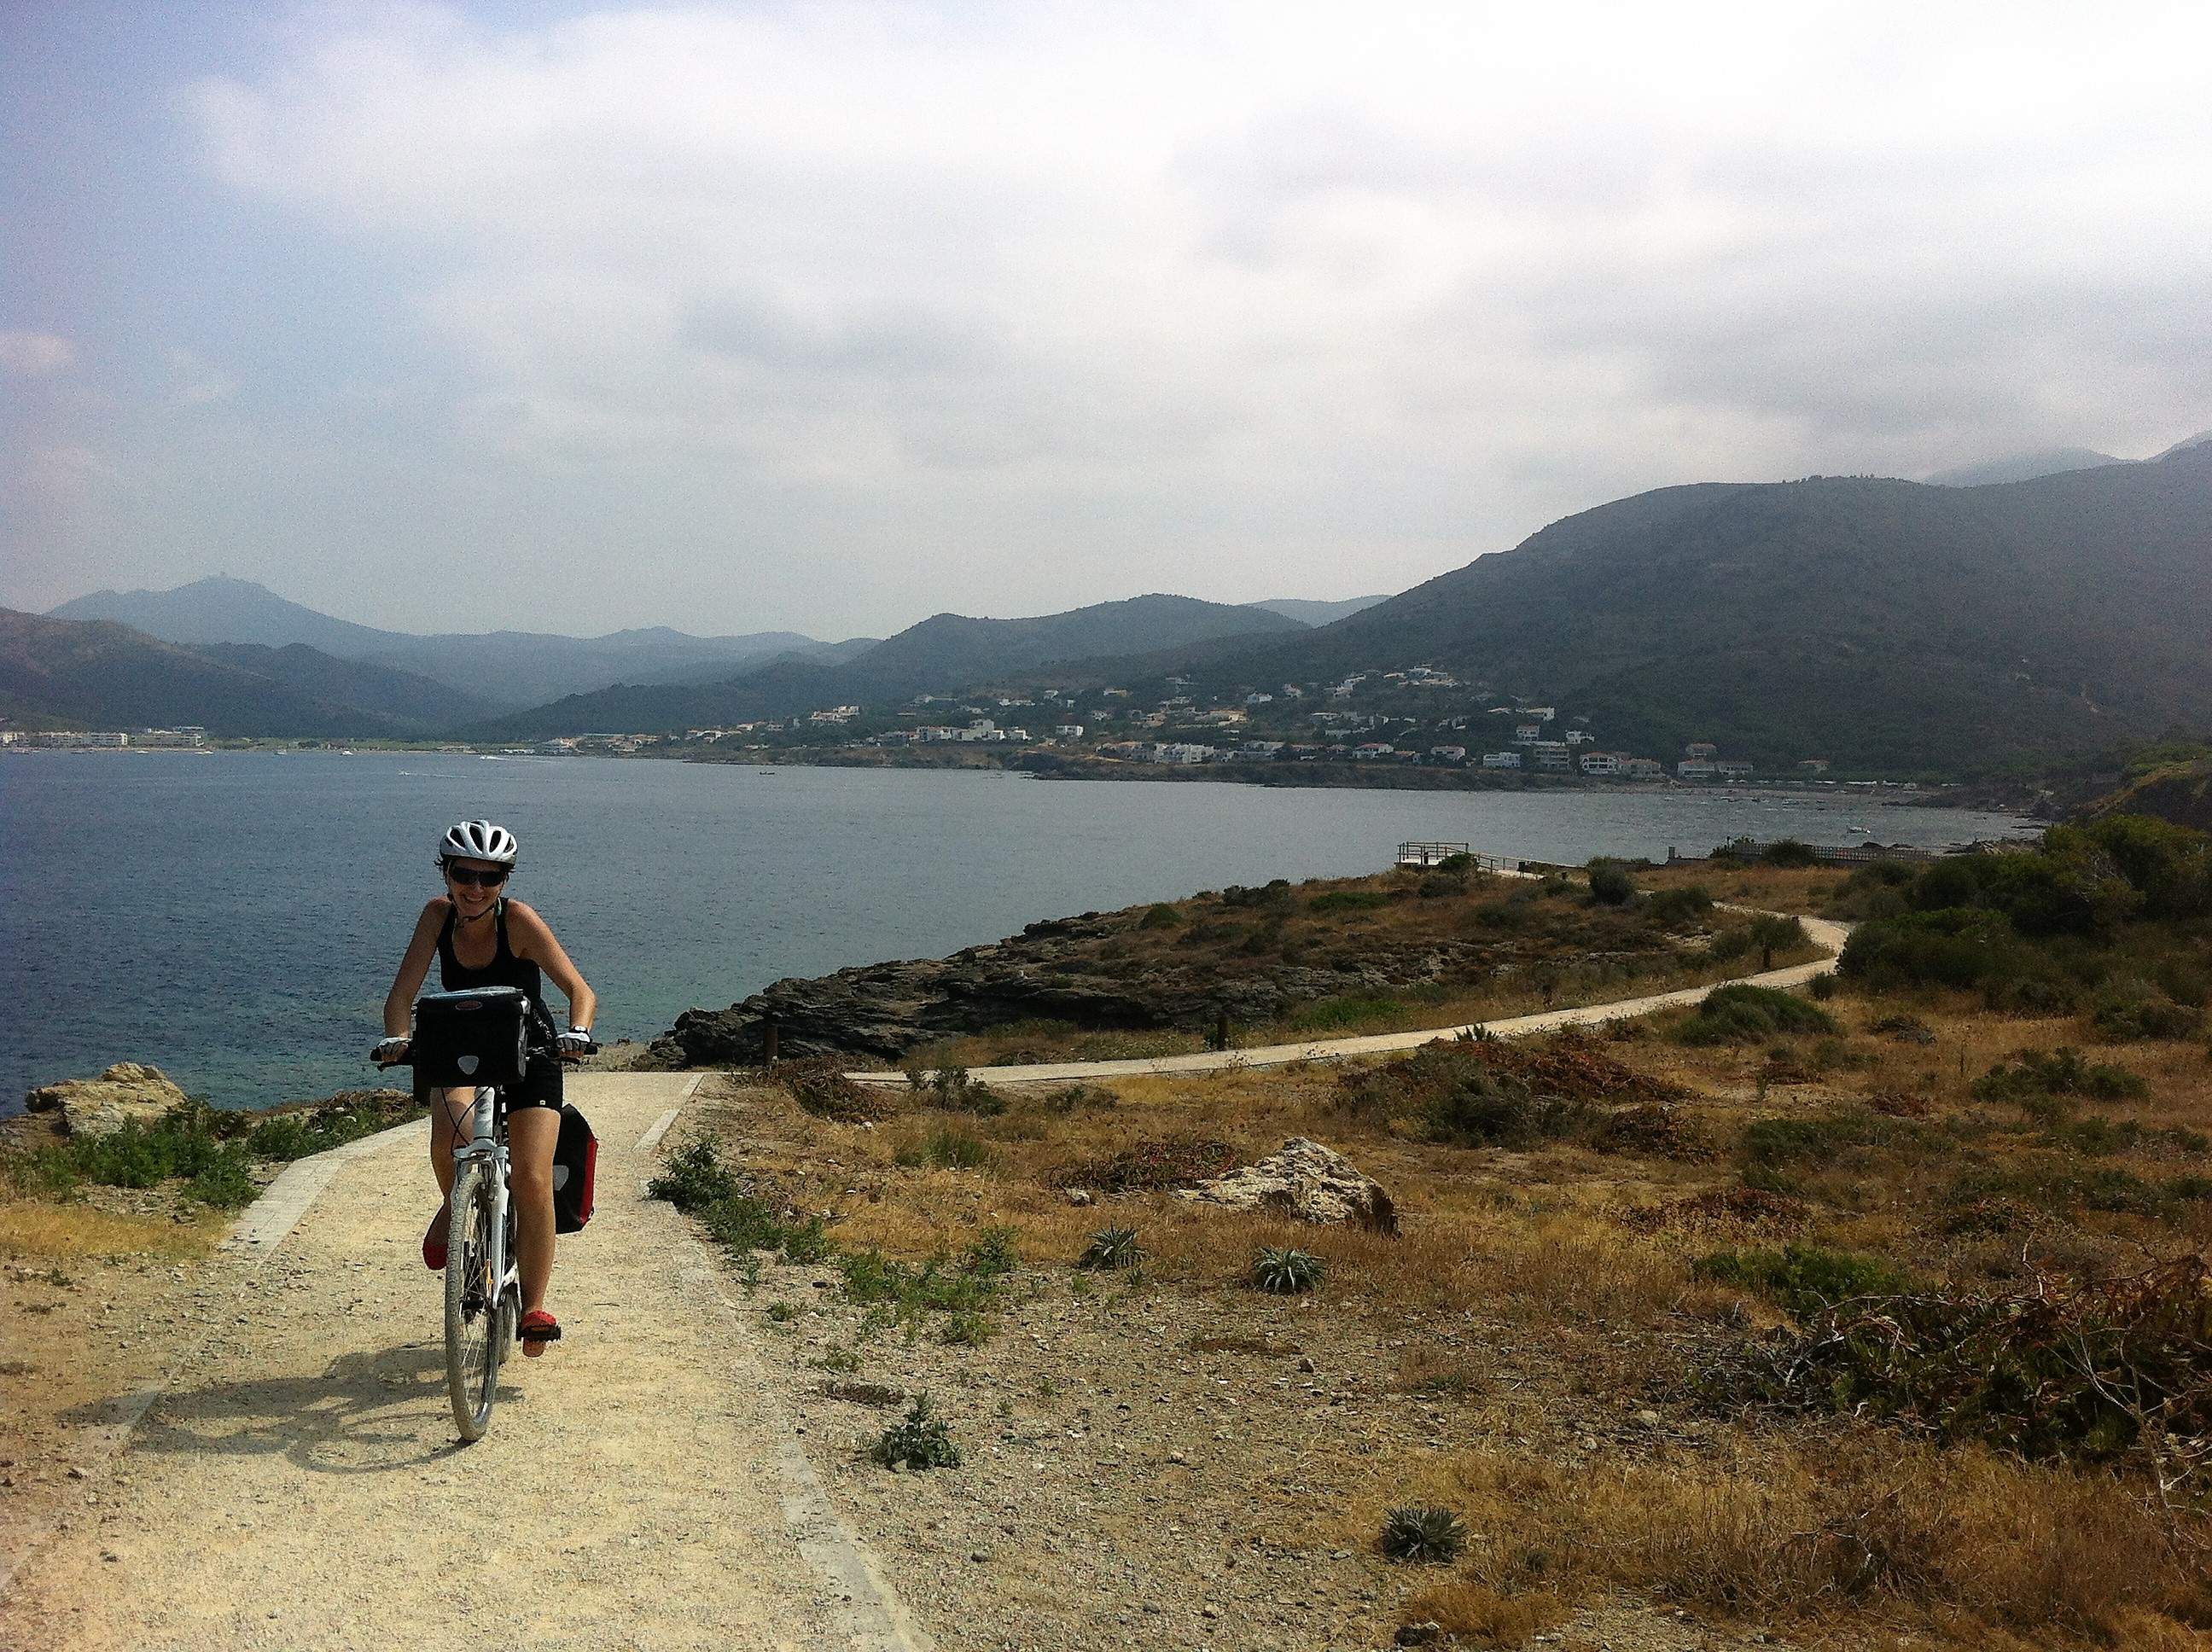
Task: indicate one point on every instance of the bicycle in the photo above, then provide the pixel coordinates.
(483, 1286)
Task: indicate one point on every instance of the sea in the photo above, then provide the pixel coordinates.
(235, 918)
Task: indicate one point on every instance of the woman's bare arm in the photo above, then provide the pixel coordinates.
(414, 968)
(531, 937)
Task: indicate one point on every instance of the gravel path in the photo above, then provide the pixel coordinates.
(1829, 936)
(299, 1484)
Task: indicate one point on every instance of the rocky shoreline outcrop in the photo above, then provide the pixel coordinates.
(1050, 972)
(128, 1092)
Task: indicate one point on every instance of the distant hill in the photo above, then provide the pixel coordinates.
(2180, 792)
(415, 703)
(1884, 624)
(1318, 613)
(944, 652)
(95, 674)
(503, 670)
(2023, 467)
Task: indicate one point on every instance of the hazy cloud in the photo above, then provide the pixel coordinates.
(839, 314)
(34, 354)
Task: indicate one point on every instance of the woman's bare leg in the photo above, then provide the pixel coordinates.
(446, 1106)
(532, 1134)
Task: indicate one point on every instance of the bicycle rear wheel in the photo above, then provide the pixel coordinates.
(473, 1339)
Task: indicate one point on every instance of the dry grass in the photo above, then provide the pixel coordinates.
(42, 1227)
(1483, 1615)
(1855, 1526)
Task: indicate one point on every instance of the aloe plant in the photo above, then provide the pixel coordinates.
(1284, 1271)
(1422, 1535)
(1112, 1247)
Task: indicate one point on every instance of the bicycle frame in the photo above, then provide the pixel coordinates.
(488, 1144)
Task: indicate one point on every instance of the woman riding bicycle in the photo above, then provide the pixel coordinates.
(481, 938)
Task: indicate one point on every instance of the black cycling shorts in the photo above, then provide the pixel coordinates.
(540, 1085)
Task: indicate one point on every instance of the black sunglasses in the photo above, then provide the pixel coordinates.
(469, 876)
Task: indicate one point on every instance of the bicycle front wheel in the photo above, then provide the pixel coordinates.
(473, 1349)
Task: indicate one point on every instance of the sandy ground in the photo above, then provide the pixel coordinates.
(299, 1484)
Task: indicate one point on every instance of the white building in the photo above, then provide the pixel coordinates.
(1178, 751)
(1068, 731)
(1695, 768)
(1501, 760)
(1732, 768)
(1642, 768)
(1601, 763)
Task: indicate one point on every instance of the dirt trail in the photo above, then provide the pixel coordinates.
(1825, 933)
(299, 1485)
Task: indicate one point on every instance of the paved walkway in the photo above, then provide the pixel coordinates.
(1825, 933)
(299, 1484)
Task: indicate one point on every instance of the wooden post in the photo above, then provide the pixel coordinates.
(768, 1039)
(1221, 1029)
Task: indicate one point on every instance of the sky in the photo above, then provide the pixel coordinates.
(828, 317)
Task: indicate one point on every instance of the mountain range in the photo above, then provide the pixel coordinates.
(1883, 624)
(1878, 623)
(500, 670)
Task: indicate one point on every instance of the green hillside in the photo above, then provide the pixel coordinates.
(1883, 624)
(945, 653)
(95, 674)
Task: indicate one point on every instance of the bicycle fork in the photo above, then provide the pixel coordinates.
(501, 1275)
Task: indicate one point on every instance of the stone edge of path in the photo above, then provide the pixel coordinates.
(1824, 931)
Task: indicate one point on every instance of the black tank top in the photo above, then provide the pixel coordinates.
(505, 969)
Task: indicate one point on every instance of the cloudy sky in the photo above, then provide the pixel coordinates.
(828, 317)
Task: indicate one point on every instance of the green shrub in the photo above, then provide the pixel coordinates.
(1348, 900)
(2133, 1011)
(1736, 1013)
(699, 1184)
(992, 1254)
(919, 1442)
(1789, 852)
(1351, 1010)
(1822, 1139)
(1160, 915)
(947, 1148)
(1485, 1109)
(1674, 908)
(2033, 1077)
(1772, 933)
(1610, 883)
(1275, 893)
(965, 1330)
(1804, 1278)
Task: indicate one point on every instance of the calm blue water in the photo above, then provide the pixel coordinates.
(236, 919)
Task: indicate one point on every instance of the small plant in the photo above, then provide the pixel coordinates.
(993, 1254)
(1423, 1535)
(1160, 916)
(1284, 1270)
(782, 1313)
(965, 1331)
(1111, 1247)
(919, 1441)
(838, 1357)
(1739, 1013)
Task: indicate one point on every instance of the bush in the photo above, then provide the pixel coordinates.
(957, 1091)
(1736, 1013)
(1348, 900)
(1275, 893)
(919, 1442)
(947, 1148)
(1822, 1139)
(698, 1183)
(820, 1085)
(2133, 1012)
(1789, 852)
(188, 1145)
(1148, 1164)
(1804, 1278)
(2097, 1371)
(2032, 1079)
(1674, 908)
(1770, 932)
(1160, 916)
(1611, 884)
(1353, 1010)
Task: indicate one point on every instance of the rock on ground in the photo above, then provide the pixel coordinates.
(1305, 1180)
(126, 1093)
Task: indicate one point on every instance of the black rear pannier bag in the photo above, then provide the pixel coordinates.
(576, 1168)
(474, 1037)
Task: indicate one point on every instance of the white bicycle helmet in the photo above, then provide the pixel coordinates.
(477, 840)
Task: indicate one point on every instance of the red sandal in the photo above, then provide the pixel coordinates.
(434, 1243)
(539, 1328)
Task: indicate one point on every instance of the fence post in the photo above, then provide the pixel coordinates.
(768, 1039)
(1221, 1029)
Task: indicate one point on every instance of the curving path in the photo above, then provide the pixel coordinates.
(298, 1485)
(1824, 931)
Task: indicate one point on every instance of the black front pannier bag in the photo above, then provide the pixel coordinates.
(474, 1037)
(575, 1169)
